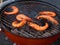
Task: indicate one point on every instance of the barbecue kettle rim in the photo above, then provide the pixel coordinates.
(3, 4)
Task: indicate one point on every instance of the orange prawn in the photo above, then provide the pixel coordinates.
(48, 18)
(15, 10)
(22, 16)
(37, 27)
(50, 13)
(20, 24)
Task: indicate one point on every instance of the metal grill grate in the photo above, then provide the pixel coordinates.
(30, 9)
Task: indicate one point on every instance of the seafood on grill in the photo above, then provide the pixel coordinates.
(53, 20)
(22, 16)
(15, 10)
(38, 27)
(50, 13)
(18, 24)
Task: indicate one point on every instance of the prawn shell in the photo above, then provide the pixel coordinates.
(50, 13)
(22, 16)
(15, 10)
(18, 25)
(37, 27)
(53, 20)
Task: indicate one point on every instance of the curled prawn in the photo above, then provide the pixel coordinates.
(22, 16)
(48, 18)
(37, 27)
(50, 13)
(20, 24)
(15, 10)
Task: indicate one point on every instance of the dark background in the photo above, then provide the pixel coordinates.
(5, 41)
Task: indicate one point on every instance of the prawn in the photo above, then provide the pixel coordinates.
(52, 14)
(15, 10)
(37, 27)
(22, 16)
(48, 18)
(20, 24)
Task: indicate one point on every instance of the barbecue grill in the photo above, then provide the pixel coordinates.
(26, 33)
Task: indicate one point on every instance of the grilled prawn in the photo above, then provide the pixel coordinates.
(20, 24)
(48, 18)
(50, 13)
(22, 16)
(15, 10)
(37, 27)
